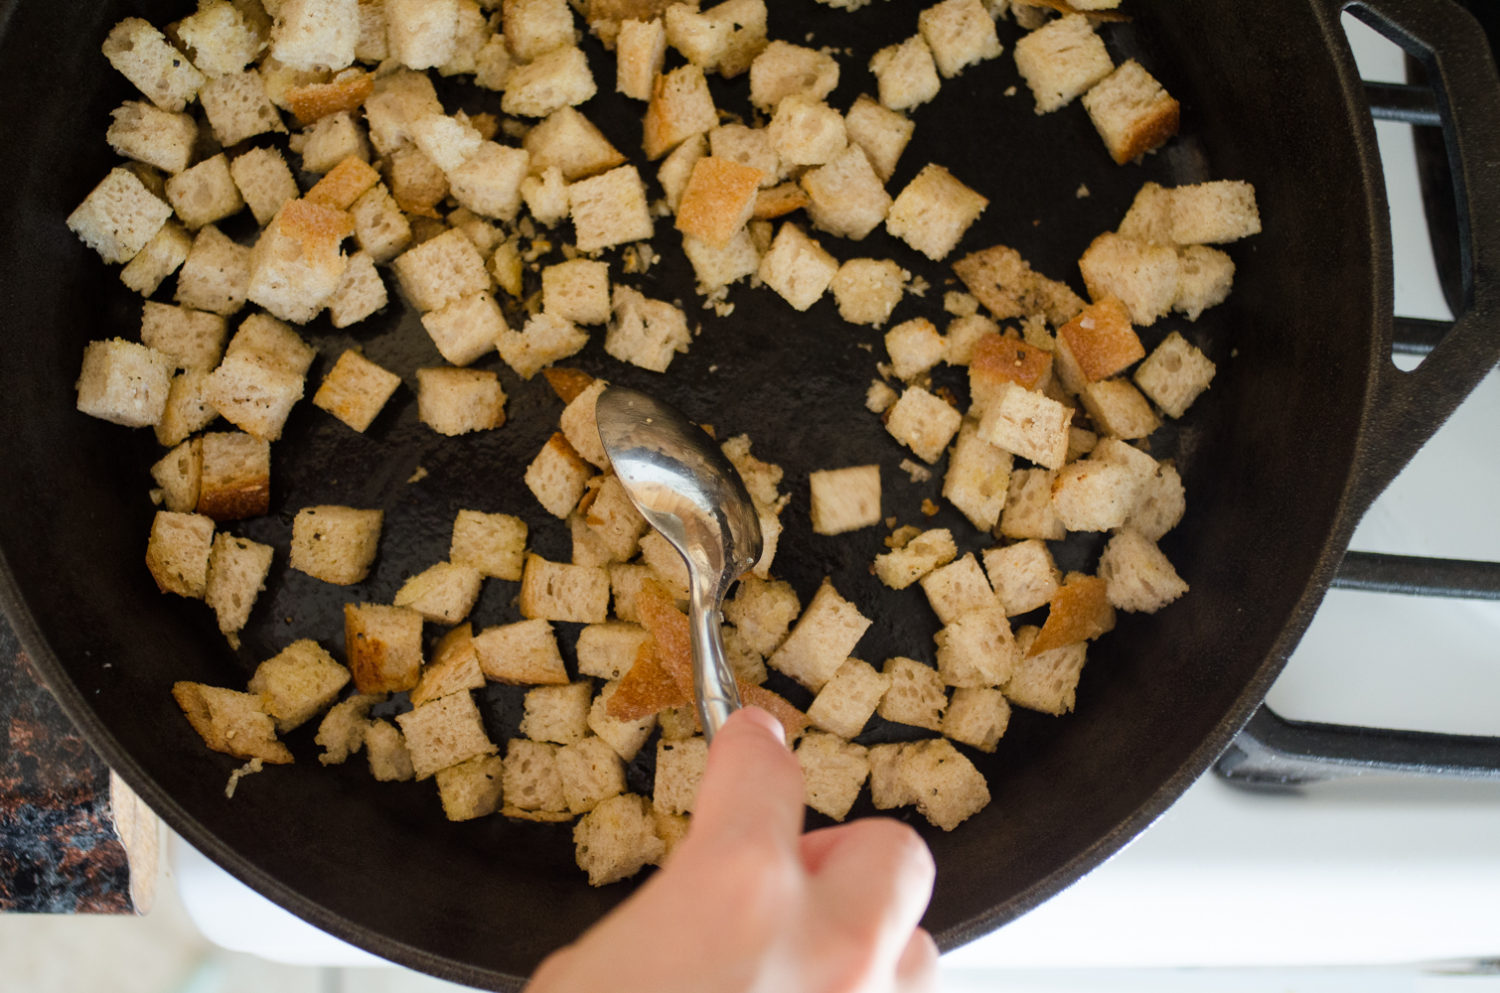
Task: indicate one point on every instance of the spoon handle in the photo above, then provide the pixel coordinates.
(713, 682)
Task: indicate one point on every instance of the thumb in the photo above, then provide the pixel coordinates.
(753, 784)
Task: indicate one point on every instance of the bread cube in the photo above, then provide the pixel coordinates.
(558, 476)
(179, 475)
(143, 55)
(997, 361)
(494, 544)
(454, 667)
(1028, 509)
(762, 611)
(1008, 287)
(977, 716)
(590, 770)
(523, 653)
(544, 339)
(344, 184)
(1175, 375)
(976, 648)
(421, 34)
(949, 790)
(471, 34)
(577, 291)
(536, 27)
(571, 142)
(383, 646)
(1143, 275)
(681, 107)
(1137, 576)
(163, 255)
(782, 69)
(806, 131)
(886, 789)
(645, 332)
(231, 722)
(1046, 681)
(119, 216)
(178, 551)
(846, 196)
(447, 141)
(558, 714)
(264, 182)
(470, 789)
(556, 79)
(960, 33)
(386, 751)
(330, 140)
(188, 411)
(797, 267)
(1094, 495)
(826, 634)
(718, 200)
(344, 93)
(531, 779)
(881, 133)
(666, 563)
(1132, 112)
(441, 270)
(677, 168)
(1027, 424)
(557, 591)
(1214, 213)
(609, 209)
(380, 228)
(1118, 409)
(444, 732)
(934, 210)
(923, 422)
(459, 401)
(901, 567)
(342, 730)
(237, 569)
(725, 38)
(625, 737)
(1160, 505)
(845, 704)
(914, 347)
(124, 382)
(466, 328)
(845, 499)
(148, 134)
(957, 588)
(489, 182)
(614, 520)
(679, 770)
(867, 290)
(296, 264)
(749, 147)
(443, 593)
(640, 51)
(1149, 218)
(254, 394)
(361, 292)
(1061, 61)
(546, 196)
(237, 107)
(1097, 344)
(916, 695)
(236, 480)
(833, 772)
(298, 682)
(272, 342)
(608, 650)
(335, 544)
(716, 266)
(1023, 575)
(1080, 611)
(905, 74)
(978, 478)
(311, 34)
(617, 839)
(1204, 278)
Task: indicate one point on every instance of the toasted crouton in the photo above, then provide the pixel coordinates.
(558, 476)
(1046, 681)
(344, 184)
(805, 131)
(1137, 576)
(824, 637)
(560, 78)
(640, 51)
(923, 422)
(797, 267)
(179, 474)
(236, 480)
(454, 667)
(444, 732)
(1061, 61)
(845, 499)
(978, 478)
(977, 716)
(958, 588)
(762, 611)
(1204, 278)
(867, 290)
(297, 683)
(124, 382)
(1023, 575)
(264, 181)
(724, 38)
(558, 714)
(163, 255)
(312, 34)
(679, 769)
(380, 229)
(238, 107)
(237, 569)
(1028, 509)
(1027, 424)
(1008, 287)
(119, 216)
(1214, 213)
(1132, 112)
(532, 785)
(471, 789)
(916, 695)
(914, 347)
(1161, 503)
(571, 142)
(460, 401)
(750, 147)
(443, 593)
(880, 132)
(949, 790)
(782, 69)
(441, 270)
(833, 770)
(296, 264)
(361, 292)
(906, 74)
(591, 772)
(342, 730)
(625, 736)
(465, 329)
(680, 108)
(178, 551)
(557, 591)
(314, 101)
(1118, 409)
(847, 701)
(492, 543)
(718, 200)
(383, 646)
(901, 567)
(231, 722)
(846, 197)
(535, 27)
(1143, 275)
(960, 33)
(617, 839)
(522, 653)
(933, 211)
(143, 55)
(148, 134)
(886, 789)
(1079, 611)
(335, 544)
(610, 209)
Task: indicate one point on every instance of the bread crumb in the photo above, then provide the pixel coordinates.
(918, 474)
(1082, 191)
(248, 769)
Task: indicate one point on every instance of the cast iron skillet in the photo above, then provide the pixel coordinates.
(1305, 423)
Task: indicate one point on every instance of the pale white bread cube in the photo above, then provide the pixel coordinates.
(956, 588)
(679, 770)
(231, 722)
(948, 788)
(272, 342)
(471, 34)
(640, 51)
(119, 216)
(845, 499)
(677, 168)
(1132, 112)
(558, 714)
(191, 339)
(805, 131)
(614, 520)
(923, 422)
(914, 347)
(495, 544)
(441, 270)
(560, 591)
(1113, 450)
(146, 133)
(750, 147)
(536, 27)
(718, 200)
(1174, 375)
(1023, 575)
(591, 771)
(797, 267)
(762, 611)
(886, 789)
(341, 732)
(625, 737)
(205, 193)
(443, 593)
(470, 789)
(617, 839)
(1214, 213)
(923, 553)
(453, 667)
(524, 653)
(681, 107)
(317, 34)
(570, 141)
(1137, 575)
(188, 409)
(1027, 424)
(783, 69)
(335, 544)
(330, 140)
(846, 196)
(298, 683)
(124, 382)
(1144, 275)
(1150, 215)
(400, 97)
(960, 33)
(421, 34)
(236, 480)
(383, 647)
(163, 255)
(824, 636)
(254, 392)
(1119, 409)
(847, 701)
(1061, 61)
(609, 209)
(833, 772)
(978, 478)
(558, 476)
(933, 211)
(355, 390)
(724, 38)
(905, 73)
(580, 426)
(977, 648)
(380, 228)
(1094, 495)
(386, 752)
(460, 401)
(1160, 505)
(916, 696)
(143, 55)
(559, 78)
(546, 196)
(296, 264)
(417, 184)
(577, 290)
(880, 132)
(867, 290)
(360, 293)
(544, 339)
(237, 569)
(1028, 509)
(447, 141)
(977, 716)
(179, 475)
(238, 107)
(1008, 287)
(465, 329)
(489, 181)
(716, 266)
(666, 564)
(444, 732)
(532, 785)
(1204, 278)
(607, 650)
(177, 552)
(485, 235)
(1048, 680)
(264, 181)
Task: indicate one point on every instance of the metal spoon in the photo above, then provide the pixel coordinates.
(687, 490)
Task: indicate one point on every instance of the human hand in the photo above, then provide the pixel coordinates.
(749, 904)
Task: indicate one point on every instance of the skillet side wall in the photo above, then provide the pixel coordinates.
(1266, 459)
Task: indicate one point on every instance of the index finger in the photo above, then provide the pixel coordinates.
(753, 783)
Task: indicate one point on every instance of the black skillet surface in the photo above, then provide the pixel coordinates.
(1304, 423)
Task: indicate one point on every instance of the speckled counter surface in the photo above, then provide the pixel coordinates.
(59, 850)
